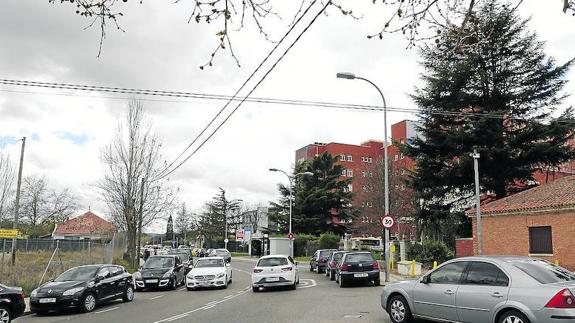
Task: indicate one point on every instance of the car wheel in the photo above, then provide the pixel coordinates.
(513, 317)
(294, 286)
(225, 283)
(231, 276)
(128, 294)
(88, 303)
(189, 289)
(341, 282)
(337, 278)
(376, 282)
(398, 310)
(297, 281)
(255, 289)
(5, 315)
(331, 275)
(310, 268)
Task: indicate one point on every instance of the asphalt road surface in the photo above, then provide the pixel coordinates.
(317, 299)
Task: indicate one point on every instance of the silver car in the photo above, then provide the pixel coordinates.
(498, 289)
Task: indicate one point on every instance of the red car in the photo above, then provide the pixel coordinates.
(332, 264)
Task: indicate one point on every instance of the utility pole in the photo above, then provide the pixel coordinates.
(477, 202)
(17, 205)
(140, 217)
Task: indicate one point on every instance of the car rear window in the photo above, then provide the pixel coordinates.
(272, 262)
(358, 257)
(337, 256)
(544, 272)
(325, 253)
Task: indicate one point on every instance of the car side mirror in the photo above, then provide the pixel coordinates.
(425, 279)
(228, 264)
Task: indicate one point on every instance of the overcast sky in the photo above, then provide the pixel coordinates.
(66, 130)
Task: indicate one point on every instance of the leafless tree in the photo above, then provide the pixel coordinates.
(7, 173)
(40, 205)
(183, 223)
(129, 184)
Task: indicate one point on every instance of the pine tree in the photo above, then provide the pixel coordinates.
(170, 229)
(495, 93)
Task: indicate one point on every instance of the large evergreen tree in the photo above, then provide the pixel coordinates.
(496, 96)
(317, 198)
(212, 222)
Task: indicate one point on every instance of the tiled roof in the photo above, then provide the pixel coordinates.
(87, 223)
(559, 194)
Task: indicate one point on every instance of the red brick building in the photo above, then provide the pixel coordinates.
(86, 226)
(364, 165)
(539, 222)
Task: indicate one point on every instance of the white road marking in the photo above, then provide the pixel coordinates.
(205, 307)
(182, 288)
(159, 296)
(107, 310)
(307, 283)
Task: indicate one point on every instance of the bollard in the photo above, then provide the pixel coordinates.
(557, 262)
(434, 264)
(413, 268)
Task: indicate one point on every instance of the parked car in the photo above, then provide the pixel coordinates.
(224, 253)
(273, 271)
(11, 303)
(499, 289)
(357, 267)
(165, 271)
(209, 272)
(185, 258)
(83, 287)
(319, 260)
(332, 263)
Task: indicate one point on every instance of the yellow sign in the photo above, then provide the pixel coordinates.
(392, 248)
(8, 233)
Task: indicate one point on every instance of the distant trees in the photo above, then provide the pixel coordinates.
(317, 199)
(496, 96)
(183, 223)
(129, 186)
(42, 207)
(212, 220)
(7, 176)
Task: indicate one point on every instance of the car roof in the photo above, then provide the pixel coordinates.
(222, 258)
(274, 256)
(163, 256)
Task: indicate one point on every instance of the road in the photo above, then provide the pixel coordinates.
(316, 300)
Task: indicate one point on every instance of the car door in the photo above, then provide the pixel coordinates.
(119, 280)
(484, 287)
(104, 286)
(434, 296)
(179, 269)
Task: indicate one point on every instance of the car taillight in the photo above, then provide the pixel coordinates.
(256, 270)
(321, 260)
(287, 269)
(344, 267)
(376, 265)
(563, 299)
(21, 294)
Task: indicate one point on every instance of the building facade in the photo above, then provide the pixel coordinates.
(86, 226)
(363, 164)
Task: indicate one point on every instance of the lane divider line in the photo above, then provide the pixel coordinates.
(156, 297)
(107, 310)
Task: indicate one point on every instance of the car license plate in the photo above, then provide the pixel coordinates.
(360, 275)
(272, 279)
(151, 281)
(47, 300)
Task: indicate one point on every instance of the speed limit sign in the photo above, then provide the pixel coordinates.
(387, 221)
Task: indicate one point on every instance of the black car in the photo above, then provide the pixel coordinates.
(185, 258)
(11, 303)
(83, 288)
(165, 271)
(319, 259)
(357, 267)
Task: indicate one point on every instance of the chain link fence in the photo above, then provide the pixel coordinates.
(39, 260)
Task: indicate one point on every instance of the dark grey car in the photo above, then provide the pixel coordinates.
(498, 289)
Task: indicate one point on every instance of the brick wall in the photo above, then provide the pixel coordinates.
(509, 235)
(463, 247)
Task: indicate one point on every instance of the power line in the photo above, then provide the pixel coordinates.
(252, 90)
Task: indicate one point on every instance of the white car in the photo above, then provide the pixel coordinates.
(209, 272)
(276, 270)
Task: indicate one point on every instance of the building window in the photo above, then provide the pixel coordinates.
(363, 174)
(343, 172)
(402, 156)
(342, 157)
(369, 160)
(364, 188)
(540, 240)
(402, 171)
(349, 158)
(403, 187)
(369, 204)
(349, 188)
(364, 159)
(395, 157)
(350, 173)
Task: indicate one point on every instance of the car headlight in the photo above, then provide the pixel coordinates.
(137, 275)
(220, 275)
(73, 291)
(34, 293)
(167, 274)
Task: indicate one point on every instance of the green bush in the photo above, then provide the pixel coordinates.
(329, 241)
(301, 243)
(429, 251)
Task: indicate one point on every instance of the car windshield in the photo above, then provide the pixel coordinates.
(206, 263)
(184, 257)
(78, 274)
(543, 271)
(337, 256)
(272, 262)
(358, 257)
(325, 253)
(159, 262)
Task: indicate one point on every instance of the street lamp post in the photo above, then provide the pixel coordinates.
(476, 156)
(226, 207)
(291, 179)
(351, 76)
